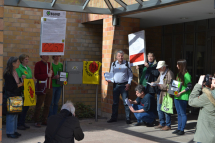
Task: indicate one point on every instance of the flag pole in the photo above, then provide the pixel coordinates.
(97, 87)
(50, 70)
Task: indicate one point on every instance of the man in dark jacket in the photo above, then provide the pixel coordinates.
(64, 126)
(149, 74)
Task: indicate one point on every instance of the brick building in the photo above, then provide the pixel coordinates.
(174, 30)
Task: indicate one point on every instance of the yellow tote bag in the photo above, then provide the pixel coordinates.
(29, 92)
(91, 72)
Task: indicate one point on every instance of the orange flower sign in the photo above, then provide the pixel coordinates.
(65, 82)
(176, 93)
(25, 72)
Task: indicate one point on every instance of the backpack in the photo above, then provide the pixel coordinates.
(126, 64)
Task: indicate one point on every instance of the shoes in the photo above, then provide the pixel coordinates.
(37, 125)
(111, 120)
(159, 126)
(128, 122)
(18, 134)
(44, 123)
(175, 132)
(26, 126)
(21, 128)
(139, 124)
(166, 128)
(180, 133)
(14, 136)
(150, 124)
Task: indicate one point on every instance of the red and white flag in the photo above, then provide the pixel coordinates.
(137, 48)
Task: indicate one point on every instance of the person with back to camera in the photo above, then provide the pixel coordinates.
(13, 87)
(122, 75)
(181, 99)
(64, 126)
(203, 97)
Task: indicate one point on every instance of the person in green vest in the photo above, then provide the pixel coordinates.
(23, 71)
(57, 67)
(181, 99)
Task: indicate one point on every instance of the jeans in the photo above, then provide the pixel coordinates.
(55, 99)
(147, 117)
(181, 106)
(46, 99)
(162, 115)
(119, 89)
(21, 117)
(11, 123)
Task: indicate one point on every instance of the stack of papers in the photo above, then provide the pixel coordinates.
(108, 76)
(152, 84)
(127, 102)
(63, 76)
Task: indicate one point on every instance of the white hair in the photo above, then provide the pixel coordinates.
(120, 51)
(69, 106)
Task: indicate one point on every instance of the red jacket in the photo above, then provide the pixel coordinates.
(40, 72)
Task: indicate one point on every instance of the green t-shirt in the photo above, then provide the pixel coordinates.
(185, 96)
(24, 71)
(56, 69)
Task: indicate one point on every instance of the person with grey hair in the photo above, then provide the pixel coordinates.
(122, 75)
(64, 126)
(144, 107)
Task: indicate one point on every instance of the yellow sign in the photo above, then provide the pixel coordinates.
(29, 92)
(91, 72)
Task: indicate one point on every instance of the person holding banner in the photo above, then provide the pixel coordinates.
(25, 71)
(57, 67)
(144, 107)
(166, 75)
(43, 73)
(122, 75)
(149, 74)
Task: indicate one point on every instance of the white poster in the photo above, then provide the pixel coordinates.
(137, 48)
(54, 14)
(53, 31)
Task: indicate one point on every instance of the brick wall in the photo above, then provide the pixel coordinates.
(1, 61)
(83, 42)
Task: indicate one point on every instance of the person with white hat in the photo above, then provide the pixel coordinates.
(165, 77)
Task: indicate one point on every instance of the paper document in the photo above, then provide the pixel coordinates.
(152, 84)
(127, 102)
(63, 74)
(63, 79)
(108, 76)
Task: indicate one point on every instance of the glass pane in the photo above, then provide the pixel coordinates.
(213, 53)
(201, 39)
(212, 23)
(200, 59)
(179, 28)
(71, 2)
(201, 25)
(168, 50)
(168, 29)
(189, 38)
(102, 4)
(189, 27)
(189, 59)
(178, 49)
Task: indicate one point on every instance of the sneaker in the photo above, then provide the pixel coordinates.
(111, 120)
(166, 128)
(180, 133)
(175, 132)
(18, 134)
(26, 126)
(21, 128)
(37, 125)
(139, 124)
(128, 122)
(12, 136)
(159, 126)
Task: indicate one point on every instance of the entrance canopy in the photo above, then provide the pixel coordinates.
(112, 7)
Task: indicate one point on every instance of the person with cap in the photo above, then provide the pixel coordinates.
(122, 75)
(203, 97)
(64, 127)
(164, 79)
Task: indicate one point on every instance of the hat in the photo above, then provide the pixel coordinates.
(161, 64)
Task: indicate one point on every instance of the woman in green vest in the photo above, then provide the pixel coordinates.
(25, 71)
(181, 99)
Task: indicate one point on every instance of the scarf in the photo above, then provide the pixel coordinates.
(162, 77)
(16, 77)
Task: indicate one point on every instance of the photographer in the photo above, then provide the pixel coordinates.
(205, 99)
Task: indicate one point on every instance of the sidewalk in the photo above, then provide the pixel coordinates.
(118, 132)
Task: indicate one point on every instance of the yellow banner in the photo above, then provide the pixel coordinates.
(29, 92)
(91, 72)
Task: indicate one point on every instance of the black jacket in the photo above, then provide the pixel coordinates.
(153, 75)
(69, 130)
